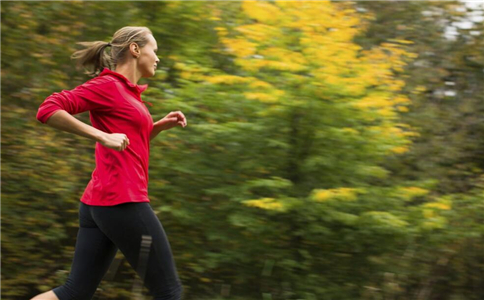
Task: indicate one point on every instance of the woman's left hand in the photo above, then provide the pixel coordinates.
(174, 118)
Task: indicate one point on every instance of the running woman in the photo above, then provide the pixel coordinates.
(114, 210)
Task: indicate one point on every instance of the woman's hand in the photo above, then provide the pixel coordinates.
(174, 118)
(116, 141)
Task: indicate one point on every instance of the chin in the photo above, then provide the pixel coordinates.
(148, 74)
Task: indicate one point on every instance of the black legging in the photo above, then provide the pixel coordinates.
(104, 229)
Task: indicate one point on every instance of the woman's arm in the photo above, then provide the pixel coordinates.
(62, 120)
(57, 110)
(157, 128)
(174, 118)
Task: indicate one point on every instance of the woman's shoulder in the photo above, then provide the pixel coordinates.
(102, 86)
(99, 80)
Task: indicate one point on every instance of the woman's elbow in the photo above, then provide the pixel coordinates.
(44, 116)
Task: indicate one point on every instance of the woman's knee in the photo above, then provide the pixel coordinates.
(67, 291)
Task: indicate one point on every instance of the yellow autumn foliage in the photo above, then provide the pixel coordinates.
(222, 31)
(373, 101)
(346, 194)
(419, 89)
(239, 47)
(265, 203)
(226, 79)
(271, 97)
(391, 131)
(439, 203)
(428, 213)
(349, 130)
(258, 32)
(399, 149)
(431, 210)
(411, 192)
(260, 84)
(263, 97)
(442, 206)
(312, 43)
(262, 11)
(401, 41)
(284, 55)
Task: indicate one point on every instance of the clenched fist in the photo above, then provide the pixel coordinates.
(174, 118)
(116, 141)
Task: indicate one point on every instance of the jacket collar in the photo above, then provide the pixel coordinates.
(140, 88)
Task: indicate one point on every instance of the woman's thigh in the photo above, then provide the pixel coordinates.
(138, 233)
(94, 252)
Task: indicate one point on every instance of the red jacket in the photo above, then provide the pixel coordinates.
(115, 106)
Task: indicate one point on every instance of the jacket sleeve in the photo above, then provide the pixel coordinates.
(83, 98)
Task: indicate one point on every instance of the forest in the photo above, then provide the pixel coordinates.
(334, 149)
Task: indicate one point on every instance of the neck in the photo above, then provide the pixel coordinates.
(129, 71)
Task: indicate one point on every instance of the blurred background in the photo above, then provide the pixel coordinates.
(333, 150)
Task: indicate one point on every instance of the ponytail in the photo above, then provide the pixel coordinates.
(94, 55)
(96, 59)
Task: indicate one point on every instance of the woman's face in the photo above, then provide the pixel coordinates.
(148, 60)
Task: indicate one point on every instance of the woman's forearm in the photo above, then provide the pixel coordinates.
(62, 120)
(174, 118)
(157, 128)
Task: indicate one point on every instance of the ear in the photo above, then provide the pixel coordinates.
(135, 48)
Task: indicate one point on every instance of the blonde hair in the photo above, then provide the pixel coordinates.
(96, 59)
